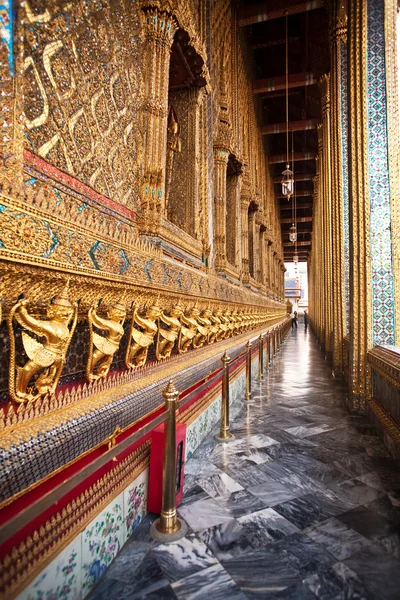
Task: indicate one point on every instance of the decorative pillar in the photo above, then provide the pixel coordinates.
(196, 97)
(372, 202)
(160, 31)
(340, 260)
(327, 211)
(221, 156)
(244, 221)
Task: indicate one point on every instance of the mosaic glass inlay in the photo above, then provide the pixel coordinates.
(379, 187)
(345, 175)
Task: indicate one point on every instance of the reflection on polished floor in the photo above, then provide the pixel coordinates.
(304, 503)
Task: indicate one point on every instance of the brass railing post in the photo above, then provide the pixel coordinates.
(260, 358)
(168, 526)
(268, 349)
(247, 395)
(224, 432)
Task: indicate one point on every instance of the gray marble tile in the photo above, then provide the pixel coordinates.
(356, 491)
(267, 525)
(143, 577)
(303, 431)
(183, 557)
(247, 476)
(272, 493)
(193, 494)
(339, 540)
(302, 512)
(367, 522)
(228, 540)
(259, 574)
(325, 474)
(295, 592)
(380, 572)
(240, 503)
(294, 481)
(355, 465)
(301, 554)
(336, 583)
(213, 582)
(219, 484)
(372, 479)
(384, 506)
(203, 514)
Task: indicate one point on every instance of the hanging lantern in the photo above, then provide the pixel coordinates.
(287, 182)
(295, 258)
(293, 234)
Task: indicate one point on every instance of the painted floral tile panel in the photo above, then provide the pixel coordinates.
(61, 579)
(101, 541)
(192, 438)
(135, 503)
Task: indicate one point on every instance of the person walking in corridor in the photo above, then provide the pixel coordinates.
(294, 320)
(305, 320)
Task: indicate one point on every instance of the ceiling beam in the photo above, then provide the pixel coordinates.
(302, 125)
(262, 86)
(299, 194)
(298, 220)
(297, 177)
(297, 156)
(299, 206)
(275, 9)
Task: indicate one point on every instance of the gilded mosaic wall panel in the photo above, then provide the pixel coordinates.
(83, 91)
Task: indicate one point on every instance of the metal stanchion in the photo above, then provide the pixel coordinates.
(247, 395)
(260, 358)
(168, 527)
(224, 433)
(268, 349)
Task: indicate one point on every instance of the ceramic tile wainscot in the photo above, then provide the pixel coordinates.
(77, 569)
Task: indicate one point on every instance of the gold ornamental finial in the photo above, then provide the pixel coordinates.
(62, 298)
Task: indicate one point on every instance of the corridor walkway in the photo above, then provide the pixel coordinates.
(304, 503)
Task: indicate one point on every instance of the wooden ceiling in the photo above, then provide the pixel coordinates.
(265, 24)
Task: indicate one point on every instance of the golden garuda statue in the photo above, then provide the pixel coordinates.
(100, 359)
(203, 329)
(141, 340)
(213, 328)
(188, 329)
(166, 337)
(46, 355)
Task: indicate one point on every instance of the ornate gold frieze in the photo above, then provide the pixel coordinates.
(37, 550)
(390, 426)
(386, 363)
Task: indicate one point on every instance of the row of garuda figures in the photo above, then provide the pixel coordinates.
(180, 326)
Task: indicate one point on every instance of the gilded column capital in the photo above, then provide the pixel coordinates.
(325, 92)
(339, 25)
(221, 155)
(160, 24)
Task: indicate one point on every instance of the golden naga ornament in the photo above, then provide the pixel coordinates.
(47, 356)
(100, 359)
(166, 337)
(141, 340)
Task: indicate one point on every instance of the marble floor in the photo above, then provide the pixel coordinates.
(304, 504)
